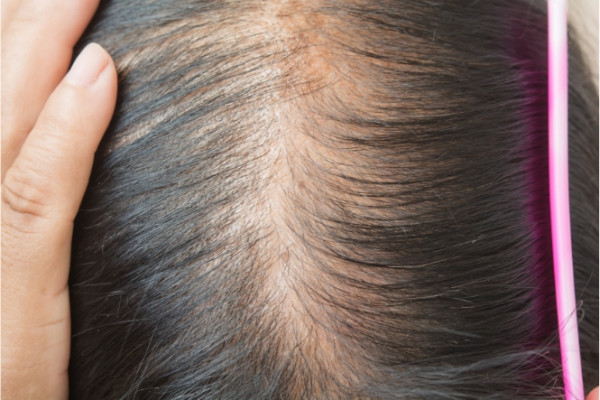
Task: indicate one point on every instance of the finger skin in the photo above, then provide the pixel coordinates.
(41, 193)
(594, 394)
(37, 45)
(8, 9)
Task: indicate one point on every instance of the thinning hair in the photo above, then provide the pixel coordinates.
(328, 199)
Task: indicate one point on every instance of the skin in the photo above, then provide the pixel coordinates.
(51, 127)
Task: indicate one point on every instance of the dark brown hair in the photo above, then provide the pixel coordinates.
(329, 200)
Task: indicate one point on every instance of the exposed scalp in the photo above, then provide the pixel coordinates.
(316, 199)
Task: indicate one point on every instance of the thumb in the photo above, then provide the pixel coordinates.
(43, 189)
(41, 193)
(49, 176)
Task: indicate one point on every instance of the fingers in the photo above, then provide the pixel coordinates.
(44, 187)
(594, 394)
(37, 43)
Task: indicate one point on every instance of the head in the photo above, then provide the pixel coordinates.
(329, 199)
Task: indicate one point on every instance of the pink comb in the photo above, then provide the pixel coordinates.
(559, 199)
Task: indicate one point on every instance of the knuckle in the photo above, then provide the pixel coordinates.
(26, 192)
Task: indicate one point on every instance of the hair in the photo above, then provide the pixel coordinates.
(328, 199)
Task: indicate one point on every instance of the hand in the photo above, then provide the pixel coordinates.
(51, 127)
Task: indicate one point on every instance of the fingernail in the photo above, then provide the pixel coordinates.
(87, 67)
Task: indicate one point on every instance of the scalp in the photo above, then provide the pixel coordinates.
(317, 199)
